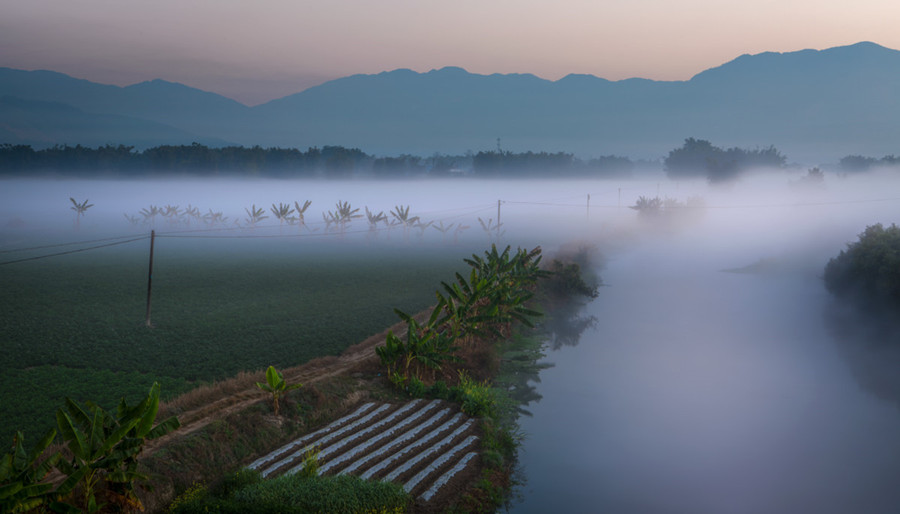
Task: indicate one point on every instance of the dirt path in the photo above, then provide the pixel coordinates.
(313, 371)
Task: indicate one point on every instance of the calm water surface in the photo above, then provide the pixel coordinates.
(699, 391)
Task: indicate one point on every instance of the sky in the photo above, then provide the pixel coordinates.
(266, 49)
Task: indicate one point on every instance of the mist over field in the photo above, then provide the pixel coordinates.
(718, 375)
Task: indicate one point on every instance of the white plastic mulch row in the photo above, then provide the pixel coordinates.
(435, 448)
(352, 445)
(324, 452)
(336, 423)
(409, 449)
(438, 462)
(368, 443)
(409, 434)
(328, 437)
(443, 479)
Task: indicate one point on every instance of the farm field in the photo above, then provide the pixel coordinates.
(74, 325)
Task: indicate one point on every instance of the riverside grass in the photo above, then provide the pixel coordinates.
(73, 325)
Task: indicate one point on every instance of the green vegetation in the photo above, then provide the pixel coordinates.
(276, 385)
(100, 463)
(869, 269)
(246, 492)
(328, 161)
(699, 158)
(73, 325)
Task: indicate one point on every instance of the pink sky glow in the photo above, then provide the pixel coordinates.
(256, 51)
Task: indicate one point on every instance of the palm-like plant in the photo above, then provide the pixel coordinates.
(80, 209)
(150, 213)
(171, 213)
(22, 473)
(190, 213)
(491, 229)
(254, 215)
(401, 215)
(648, 206)
(104, 449)
(214, 218)
(344, 214)
(300, 218)
(425, 347)
(443, 229)
(281, 212)
(276, 385)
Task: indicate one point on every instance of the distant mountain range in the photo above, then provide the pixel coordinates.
(814, 106)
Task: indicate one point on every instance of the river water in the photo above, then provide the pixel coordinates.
(702, 391)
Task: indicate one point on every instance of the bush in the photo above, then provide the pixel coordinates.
(337, 494)
(868, 269)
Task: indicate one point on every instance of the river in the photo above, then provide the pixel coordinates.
(701, 391)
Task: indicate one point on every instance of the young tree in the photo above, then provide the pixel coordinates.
(276, 385)
(80, 209)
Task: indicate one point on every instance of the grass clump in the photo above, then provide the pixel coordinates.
(246, 492)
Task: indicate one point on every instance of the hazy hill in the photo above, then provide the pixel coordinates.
(812, 105)
(190, 110)
(43, 124)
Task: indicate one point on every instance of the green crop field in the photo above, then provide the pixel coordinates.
(74, 325)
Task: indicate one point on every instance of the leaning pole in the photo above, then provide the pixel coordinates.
(150, 278)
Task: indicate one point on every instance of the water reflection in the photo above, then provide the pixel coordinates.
(869, 342)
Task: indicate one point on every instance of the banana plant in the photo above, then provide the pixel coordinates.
(282, 212)
(254, 215)
(491, 229)
(104, 450)
(150, 213)
(374, 219)
(22, 473)
(190, 213)
(80, 209)
(276, 385)
(443, 229)
(213, 218)
(401, 215)
(425, 346)
(300, 218)
(344, 214)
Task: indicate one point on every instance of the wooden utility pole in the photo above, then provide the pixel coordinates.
(589, 207)
(498, 219)
(150, 278)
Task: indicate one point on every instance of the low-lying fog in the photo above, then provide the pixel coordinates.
(718, 376)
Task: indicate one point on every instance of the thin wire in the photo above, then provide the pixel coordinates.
(65, 244)
(74, 251)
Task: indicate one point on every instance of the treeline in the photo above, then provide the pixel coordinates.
(856, 163)
(698, 158)
(327, 162)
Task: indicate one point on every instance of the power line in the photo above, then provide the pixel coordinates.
(74, 251)
(44, 247)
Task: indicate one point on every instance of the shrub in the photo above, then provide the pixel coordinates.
(868, 268)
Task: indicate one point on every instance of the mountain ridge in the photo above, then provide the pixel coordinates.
(808, 103)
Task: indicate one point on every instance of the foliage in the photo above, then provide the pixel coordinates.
(291, 494)
(869, 268)
(276, 385)
(424, 347)
(103, 450)
(477, 399)
(79, 317)
(22, 473)
(310, 467)
(567, 281)
(699, 158)
(328, 161)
